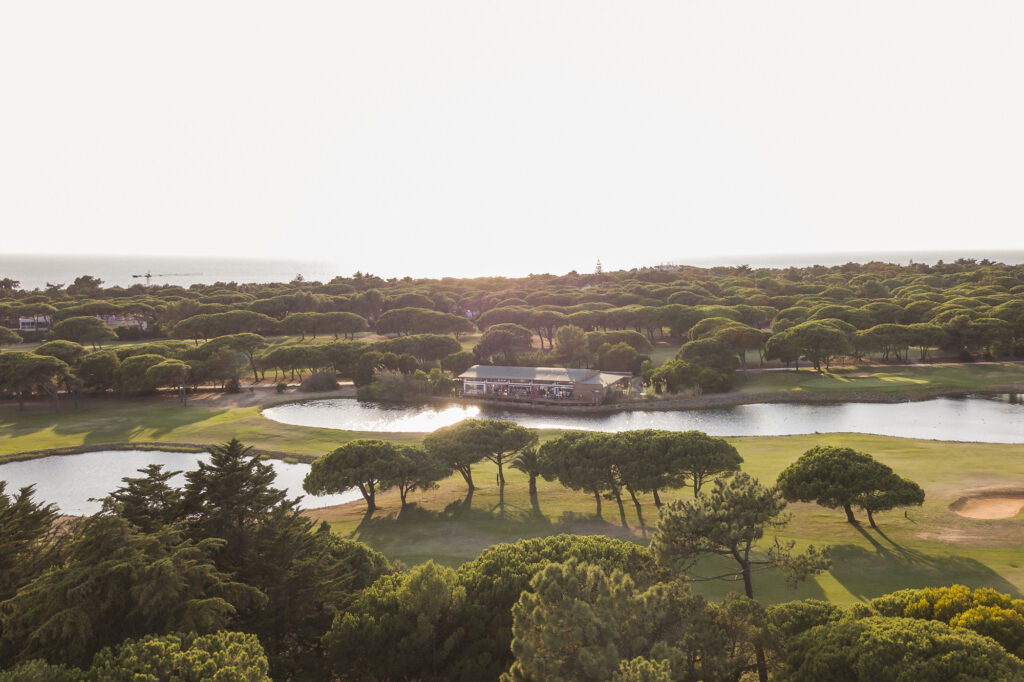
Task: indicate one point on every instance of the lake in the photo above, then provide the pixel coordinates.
(69, 481)
(995, 419)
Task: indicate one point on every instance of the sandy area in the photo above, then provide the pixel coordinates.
(989, 506)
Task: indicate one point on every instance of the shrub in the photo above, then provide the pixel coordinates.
(282, 387)
(233, 385)
(397, 387)
(320, 381)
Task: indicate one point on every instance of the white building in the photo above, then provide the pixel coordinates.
(545, 384)
(33, 324)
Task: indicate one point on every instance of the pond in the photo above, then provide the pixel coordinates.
(69, 481)
(987, 419)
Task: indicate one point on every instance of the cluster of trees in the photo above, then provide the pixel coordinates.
(224, 579)
(837, 477)
(70, 367)
(817, 313)
(637, 462)
(158, 578)
(374, 465)
(608, 465)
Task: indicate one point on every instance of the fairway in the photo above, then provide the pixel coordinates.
(901, 379)
(932, 545)
(207, 419)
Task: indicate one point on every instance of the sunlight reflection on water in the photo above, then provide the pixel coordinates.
(351, 415)
(986, 419)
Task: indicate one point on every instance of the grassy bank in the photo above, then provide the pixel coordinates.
(881, 379)
(162, 420)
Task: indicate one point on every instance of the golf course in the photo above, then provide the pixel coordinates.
(969, 529)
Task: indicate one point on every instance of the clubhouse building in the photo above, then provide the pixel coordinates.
(542, 384)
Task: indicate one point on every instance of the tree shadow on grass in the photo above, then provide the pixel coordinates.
(868, 574)
(458, 533)
(116, 426)
(770, 585)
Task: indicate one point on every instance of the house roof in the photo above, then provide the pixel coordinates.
(554, 374)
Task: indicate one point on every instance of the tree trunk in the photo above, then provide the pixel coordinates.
(871, 519)
(467, 474)
(622, 509)
(639, 511)
(402, 492)
(597, 499)
(367, 494)
(849, 513)
(748, 586)
(534, 501)
(657, 498)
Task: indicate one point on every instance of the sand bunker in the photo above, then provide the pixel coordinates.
(990, 505)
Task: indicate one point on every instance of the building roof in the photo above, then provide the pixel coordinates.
(553, 374)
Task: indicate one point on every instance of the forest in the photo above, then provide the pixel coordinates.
(407, 339)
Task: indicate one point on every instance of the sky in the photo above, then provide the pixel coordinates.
(477, 137)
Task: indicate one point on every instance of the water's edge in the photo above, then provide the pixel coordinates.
(703, 402)
(142, 446)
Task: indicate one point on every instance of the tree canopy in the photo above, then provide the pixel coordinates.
(842, 477)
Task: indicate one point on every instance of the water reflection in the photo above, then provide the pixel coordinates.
(972, 418)
(353, 415)
(70, 480)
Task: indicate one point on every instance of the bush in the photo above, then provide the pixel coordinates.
(282, 387)
(396, 387)
(320, 381)
(233, 386)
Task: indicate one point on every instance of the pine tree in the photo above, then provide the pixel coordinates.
(25, 538)
(227, 497)
(147, 502)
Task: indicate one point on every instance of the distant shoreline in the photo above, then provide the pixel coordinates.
(35, 271)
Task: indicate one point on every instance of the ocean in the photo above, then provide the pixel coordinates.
(35, 271)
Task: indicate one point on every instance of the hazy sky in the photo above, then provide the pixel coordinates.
(478, 137)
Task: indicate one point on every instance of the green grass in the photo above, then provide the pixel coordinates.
(932, 547)
(663, 351)
(874, 379)
(153, 421)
